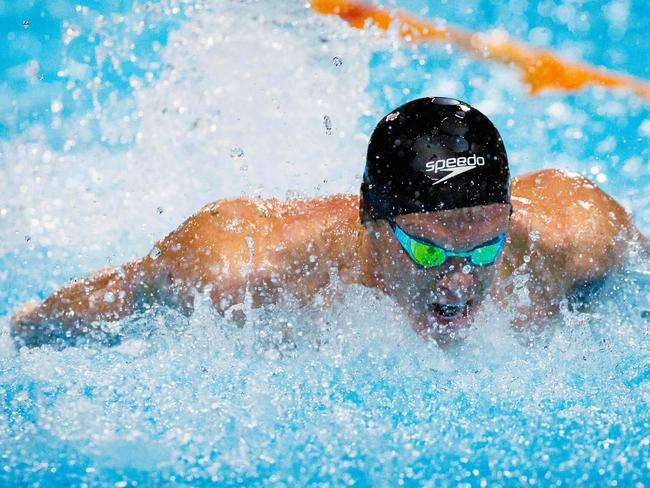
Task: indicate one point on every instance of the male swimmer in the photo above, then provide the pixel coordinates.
(437, 228)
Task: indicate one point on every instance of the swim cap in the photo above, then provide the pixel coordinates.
(433, 154)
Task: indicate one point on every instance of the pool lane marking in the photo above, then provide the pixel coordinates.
(541, 69)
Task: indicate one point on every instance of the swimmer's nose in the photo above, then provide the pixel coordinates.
(457, 284)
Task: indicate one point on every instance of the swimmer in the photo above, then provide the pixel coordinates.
(439, 227)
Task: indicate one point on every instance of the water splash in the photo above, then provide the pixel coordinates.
(302, 394)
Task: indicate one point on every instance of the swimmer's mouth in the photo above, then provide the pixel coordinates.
(452, 315)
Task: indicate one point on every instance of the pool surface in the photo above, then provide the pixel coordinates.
(118, 119)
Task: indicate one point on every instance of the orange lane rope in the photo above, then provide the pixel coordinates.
(541, 69)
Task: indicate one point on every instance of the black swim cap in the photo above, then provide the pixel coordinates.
(433, 154)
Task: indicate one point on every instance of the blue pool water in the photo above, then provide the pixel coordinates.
(118, 119)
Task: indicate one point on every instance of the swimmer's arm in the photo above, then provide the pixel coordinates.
(197, 253)
(79, 307)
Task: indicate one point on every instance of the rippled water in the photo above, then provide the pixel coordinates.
(145, 112)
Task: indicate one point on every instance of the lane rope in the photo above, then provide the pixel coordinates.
(541, 69)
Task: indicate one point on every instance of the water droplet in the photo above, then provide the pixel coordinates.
(25, 24)
(109, 297)
(236, 152)
(312, 258)
(159, 210)
(534, 235)
(466, 269)
(28, 239)
(337, 61)
(327, 122)
(56, 106)
(526, 258)
(154, 253)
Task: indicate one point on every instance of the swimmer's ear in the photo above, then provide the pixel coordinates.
(368, 225)
(372, 227)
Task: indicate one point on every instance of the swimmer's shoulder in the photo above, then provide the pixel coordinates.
(560, 201)
(569, 222)
(557, 187)
(233, 219)
(251, 210)
(326, 226)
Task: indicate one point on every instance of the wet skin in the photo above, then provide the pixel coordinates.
(563, 232)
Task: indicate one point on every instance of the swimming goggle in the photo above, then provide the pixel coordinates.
(429, 255)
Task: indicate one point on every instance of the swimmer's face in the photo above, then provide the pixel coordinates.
(440, 301)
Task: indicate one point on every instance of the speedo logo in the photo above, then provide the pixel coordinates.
(454, 166)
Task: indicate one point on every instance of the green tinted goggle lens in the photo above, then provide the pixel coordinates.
(425, 255)
(430, 255)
